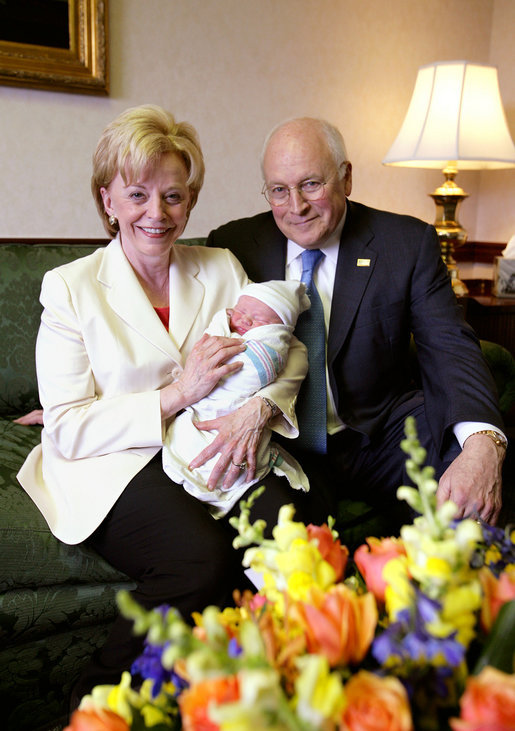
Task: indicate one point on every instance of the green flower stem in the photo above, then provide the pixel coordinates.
(423, 500)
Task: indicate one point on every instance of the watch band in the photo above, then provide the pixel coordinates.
(273, 407)
(495, 436)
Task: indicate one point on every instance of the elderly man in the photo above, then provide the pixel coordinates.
(379, 279)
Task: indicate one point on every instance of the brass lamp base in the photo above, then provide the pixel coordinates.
(451, 234)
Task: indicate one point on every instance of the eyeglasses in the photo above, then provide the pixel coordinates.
(310, 190)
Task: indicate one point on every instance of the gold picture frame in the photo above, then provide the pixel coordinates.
(81, 68)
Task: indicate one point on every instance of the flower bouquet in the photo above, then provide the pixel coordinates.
(416, 632)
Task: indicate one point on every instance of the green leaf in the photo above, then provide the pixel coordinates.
(499, 650)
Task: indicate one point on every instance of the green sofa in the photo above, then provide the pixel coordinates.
(57, 601)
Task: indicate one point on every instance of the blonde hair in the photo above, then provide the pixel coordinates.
(137, 139)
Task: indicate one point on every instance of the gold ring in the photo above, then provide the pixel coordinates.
(241, 466)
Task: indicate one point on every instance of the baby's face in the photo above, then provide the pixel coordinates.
(250, 312)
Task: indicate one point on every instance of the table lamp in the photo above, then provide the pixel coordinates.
(455, 121)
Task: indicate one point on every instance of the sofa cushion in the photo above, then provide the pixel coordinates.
(23, 267)
(30, 555)
(27, 615)
(502, 366)
(36, 677)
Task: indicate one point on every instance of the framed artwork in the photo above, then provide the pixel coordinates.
(58, 45)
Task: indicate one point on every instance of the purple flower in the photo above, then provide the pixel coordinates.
(426, 609)
(234, 648)
(408, 640)
(389, 644)
(149, 666)
(500, 538)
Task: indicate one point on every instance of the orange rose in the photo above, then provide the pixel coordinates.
(96, 719)
(330, 549)
(372, 559)
(488, 703)
(376, 703)
(339, 624)
(496, 593)
(194, 702)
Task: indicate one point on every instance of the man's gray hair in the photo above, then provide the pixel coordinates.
(332, 134)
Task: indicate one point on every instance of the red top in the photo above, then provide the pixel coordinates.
(164, 315)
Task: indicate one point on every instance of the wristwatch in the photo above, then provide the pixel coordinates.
(273, 407)
(495, 436)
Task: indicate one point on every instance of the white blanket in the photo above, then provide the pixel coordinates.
(263, 360)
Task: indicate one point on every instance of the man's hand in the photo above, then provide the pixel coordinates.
(237, 441)
(473, 481)
(33, 417)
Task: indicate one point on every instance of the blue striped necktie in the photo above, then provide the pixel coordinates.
(312, 400)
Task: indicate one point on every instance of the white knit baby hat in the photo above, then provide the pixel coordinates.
(287, 299)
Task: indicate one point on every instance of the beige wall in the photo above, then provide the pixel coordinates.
(236, 67)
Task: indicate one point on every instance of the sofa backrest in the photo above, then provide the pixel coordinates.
(22, 266)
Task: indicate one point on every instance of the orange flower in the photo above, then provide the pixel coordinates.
(194, 702)
(338, 624)
(488, 703)
(497, 592)
(96, 719)
(372, 559)
(376, 703)
(330, 549)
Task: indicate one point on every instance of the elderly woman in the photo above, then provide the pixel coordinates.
(119, 353)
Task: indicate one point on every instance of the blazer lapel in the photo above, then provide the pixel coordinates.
(356, 261)
(127, 298)
(186, 293)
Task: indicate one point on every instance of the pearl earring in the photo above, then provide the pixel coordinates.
(113, 220)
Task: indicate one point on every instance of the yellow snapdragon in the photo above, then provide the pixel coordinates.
(458, 613)
(122, 698)
(320, 697)
(399, 591)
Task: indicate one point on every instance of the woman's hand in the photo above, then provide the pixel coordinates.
(237, 441)
(204, 367)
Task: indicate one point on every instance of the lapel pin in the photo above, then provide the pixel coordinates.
(363, 263)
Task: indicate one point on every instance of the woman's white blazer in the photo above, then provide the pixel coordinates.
(102, 355)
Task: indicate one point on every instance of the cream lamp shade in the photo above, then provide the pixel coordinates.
(455, 116)
(455, 121)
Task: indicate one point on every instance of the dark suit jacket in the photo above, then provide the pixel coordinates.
(390, 282)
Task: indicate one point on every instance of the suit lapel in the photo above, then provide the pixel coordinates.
(270, 252)
(356, 261)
